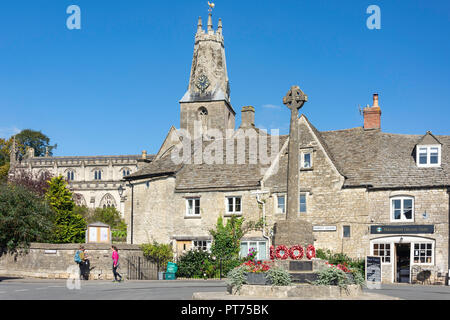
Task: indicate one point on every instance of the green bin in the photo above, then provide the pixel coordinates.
(172, 267)
(170, 276)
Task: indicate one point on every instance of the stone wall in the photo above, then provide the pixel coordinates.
(56, 261)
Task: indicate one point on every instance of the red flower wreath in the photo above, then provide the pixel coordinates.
(272, 253)
(310, 252)
(292, 252)
(286, 252)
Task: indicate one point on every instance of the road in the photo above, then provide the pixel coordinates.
(37, 289)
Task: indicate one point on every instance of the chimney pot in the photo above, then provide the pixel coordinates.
(372, 115)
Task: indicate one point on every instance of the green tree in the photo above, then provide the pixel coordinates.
(36, 140)
(5, 147)
(70, 227)
(24, 217)
(111, 216)
(159, 253)
(227, 238)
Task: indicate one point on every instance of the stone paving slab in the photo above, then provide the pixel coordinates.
(227, 296)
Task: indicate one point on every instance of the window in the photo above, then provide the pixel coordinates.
(346, 232)
(302, 203)
(234, 205)
(259, 246)
(423, 253)
(201, 245)
(382, 250)
(429, 156)
(402, 209)
(193, 207)
(70, 175)
(126, 172)
(306, 160)
(281, 204)
(97, 175)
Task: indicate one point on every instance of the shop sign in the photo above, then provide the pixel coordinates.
(324, 228)
(402, 229)
(373, 272)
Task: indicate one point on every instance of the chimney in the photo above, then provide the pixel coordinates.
(372, 115)
(248, 117)
(144, 155)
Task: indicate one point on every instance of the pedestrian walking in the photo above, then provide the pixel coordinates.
(115, 259)
(79, 259)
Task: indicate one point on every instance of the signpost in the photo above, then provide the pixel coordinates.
(373, 272)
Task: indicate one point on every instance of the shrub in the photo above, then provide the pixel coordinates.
(279, 277)
(192, 263)
(236, 278)
(161, 254)
(332, 276)
(342, 259)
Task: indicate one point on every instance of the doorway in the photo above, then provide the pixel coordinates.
(403, 262)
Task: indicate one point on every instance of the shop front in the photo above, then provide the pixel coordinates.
(406, 257)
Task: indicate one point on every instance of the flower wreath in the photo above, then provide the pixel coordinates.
(292, 252)
(286, 252)
(272, 253)
(310, 252)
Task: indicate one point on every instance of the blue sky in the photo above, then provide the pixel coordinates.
(113, 87)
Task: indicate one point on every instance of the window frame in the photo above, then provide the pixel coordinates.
(413, 253)
(194, 206)
(207, 245)
(402, 213)
(258, 257)
(428, 148)
(302, 159)
(305, 194)
(277, 205)
(384, 249)
(227, 205)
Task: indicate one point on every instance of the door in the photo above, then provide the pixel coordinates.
(403, 262)
(183, 247)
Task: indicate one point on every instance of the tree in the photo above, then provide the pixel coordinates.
(37, 183)
(36, 140)
(226, 238)
(5, 147)
(111, 216)
(24, 218)
(70, 227)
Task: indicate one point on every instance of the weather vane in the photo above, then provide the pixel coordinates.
(211, 6)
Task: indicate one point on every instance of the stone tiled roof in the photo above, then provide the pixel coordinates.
(385, 160)
(363, 157)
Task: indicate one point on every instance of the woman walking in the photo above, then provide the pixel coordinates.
(115, 259)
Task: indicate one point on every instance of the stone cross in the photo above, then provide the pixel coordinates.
(294, 100)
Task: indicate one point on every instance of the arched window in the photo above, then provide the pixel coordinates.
(108, 201)
(126, 172)
(97, 174)
(70, 175)
(203, 118)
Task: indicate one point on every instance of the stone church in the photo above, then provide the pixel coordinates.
(365, 191)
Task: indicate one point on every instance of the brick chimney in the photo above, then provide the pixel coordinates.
(248, 117)
(372, 115)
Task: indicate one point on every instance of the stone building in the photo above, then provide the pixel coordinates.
(365, 191)
(94, 180)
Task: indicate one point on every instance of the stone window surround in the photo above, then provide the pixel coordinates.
(192, 215)
(304, 151)
(428, 147)
(307, 194)
(401, 197)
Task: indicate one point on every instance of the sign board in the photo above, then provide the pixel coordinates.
(402, 229)
(50, 252)
(373, 272)
(98, 234)
(324, 228)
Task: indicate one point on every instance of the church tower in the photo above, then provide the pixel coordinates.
(207, 100)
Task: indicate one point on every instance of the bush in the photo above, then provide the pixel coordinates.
(341, 258)
(332, 276)
(236, 278)
(193, 264)
(279, 277)
(161, 254)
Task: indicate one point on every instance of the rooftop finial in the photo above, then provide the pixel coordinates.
(200, 25)
(211, 6)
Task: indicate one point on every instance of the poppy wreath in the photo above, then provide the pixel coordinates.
(310, 252)
(272, 253)
(292, 252)
(286, 252)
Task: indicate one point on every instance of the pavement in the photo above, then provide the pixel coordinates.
(45, 289)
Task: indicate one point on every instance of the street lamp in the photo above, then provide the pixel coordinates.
(121, 189)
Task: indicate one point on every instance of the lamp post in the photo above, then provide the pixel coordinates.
(121, 189)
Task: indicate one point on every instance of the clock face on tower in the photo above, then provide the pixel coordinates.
(202, 83)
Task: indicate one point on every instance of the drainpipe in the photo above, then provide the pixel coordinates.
(132, 211)
(258, 199)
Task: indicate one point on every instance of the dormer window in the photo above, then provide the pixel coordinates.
(428, 156)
